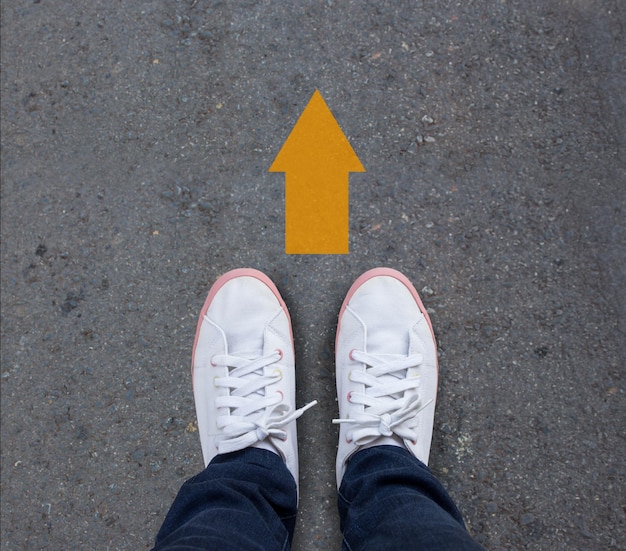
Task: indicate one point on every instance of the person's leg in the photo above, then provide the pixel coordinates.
(242, 500)
(244, 388)
(386, 360)
(390, 500)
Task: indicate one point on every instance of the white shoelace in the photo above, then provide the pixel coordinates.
(254, 414)
(388, 408)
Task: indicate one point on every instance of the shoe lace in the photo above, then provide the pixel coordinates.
(389, 409)
(251, 414)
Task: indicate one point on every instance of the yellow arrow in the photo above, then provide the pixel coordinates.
(316, 159)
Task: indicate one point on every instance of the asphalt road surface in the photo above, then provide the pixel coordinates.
(136, 143)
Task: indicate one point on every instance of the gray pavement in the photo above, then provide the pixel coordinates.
(136, 140)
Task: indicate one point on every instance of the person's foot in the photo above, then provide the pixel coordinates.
(386, 362)
(243, 369)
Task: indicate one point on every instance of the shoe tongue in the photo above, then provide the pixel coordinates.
(394, 342)
(245, 340)
(247, 354)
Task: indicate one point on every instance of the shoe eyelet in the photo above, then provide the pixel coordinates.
(350, 376)
(349, 397)
(280, 354)
(278, 373)
(350, 354)
(215, 381)
(213, 362)
(282, 396)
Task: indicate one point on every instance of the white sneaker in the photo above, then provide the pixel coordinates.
(243, 369)
(386, 362)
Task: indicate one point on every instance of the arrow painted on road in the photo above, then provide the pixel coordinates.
(316, 159)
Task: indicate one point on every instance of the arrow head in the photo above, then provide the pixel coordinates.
(316, 142)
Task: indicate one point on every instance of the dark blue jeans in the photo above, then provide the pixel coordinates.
(247, 500)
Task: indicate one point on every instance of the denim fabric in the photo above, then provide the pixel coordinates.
(247, 500)
(242, 500)
(389, 500)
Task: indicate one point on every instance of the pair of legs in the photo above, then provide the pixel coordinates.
(244, 388)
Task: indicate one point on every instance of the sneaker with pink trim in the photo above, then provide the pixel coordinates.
(243, 369)
(386, 362)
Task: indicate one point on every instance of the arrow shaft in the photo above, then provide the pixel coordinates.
(316, 213)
